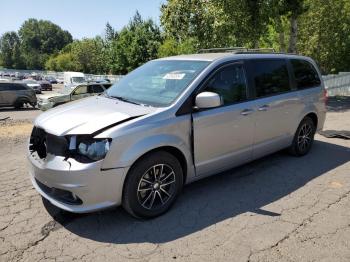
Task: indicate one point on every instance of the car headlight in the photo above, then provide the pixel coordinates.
(94, 149)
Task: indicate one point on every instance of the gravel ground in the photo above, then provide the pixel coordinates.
(279, 208)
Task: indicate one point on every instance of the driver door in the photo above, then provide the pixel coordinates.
(223, 136)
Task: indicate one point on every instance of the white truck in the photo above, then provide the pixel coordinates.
(73, 78)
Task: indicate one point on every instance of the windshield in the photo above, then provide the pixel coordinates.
(78, 79)
(157, 83)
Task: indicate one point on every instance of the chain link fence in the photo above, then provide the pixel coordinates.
(338, 85)
(14, 73)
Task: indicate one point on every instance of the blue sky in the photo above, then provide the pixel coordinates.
(81, 18)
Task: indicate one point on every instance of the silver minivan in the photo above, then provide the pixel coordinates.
(173, 121)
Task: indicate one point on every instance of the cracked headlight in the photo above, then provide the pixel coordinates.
(87, 147)
(94, 149)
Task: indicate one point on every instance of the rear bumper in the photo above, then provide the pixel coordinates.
(74, 186)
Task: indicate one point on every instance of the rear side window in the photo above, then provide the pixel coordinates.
(18, 87)
(3, 87)
(229, 83)
(270, 77)
(305, 74)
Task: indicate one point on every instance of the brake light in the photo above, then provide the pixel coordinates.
(325, 96)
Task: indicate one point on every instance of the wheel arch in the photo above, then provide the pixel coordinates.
(176, 152)
(313, 117)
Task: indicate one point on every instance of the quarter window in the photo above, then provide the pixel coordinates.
(305, 74)
(270, 77)
(229, 83)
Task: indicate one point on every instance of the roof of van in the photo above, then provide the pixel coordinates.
(241, 55)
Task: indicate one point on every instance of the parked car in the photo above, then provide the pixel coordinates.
(60, 80)
(45, 85)
(33, 84)
(51, 79)
(173, 121)
(71, 93)
(16, 94)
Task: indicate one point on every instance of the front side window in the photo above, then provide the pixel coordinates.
(157, 83)
(270, 77)
(229, 83)
(80, 90)
(305, 74)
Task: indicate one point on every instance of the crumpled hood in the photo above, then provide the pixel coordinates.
(86, 116)
(47, 96)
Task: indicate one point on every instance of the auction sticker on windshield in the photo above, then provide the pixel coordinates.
(174, 76)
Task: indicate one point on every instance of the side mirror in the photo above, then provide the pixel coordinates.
(208, 100)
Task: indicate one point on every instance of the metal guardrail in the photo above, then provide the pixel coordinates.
(338, 85)
(89, 77)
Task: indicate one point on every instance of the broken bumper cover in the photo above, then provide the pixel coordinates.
(74, 186)
(45, 105)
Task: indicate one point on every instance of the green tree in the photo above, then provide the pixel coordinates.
(172, 47)
(40, 39)
(10, 50)
(137, 43)
(324, 34)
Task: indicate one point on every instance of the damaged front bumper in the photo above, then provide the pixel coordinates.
(76, 187)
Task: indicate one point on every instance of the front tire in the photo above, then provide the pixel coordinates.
(303, 138)
(152, 185)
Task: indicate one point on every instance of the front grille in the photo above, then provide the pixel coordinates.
(42, 143)
(61, 195)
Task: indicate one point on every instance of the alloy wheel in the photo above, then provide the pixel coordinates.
(156, 186)
(305, 137)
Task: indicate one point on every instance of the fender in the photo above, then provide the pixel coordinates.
(129, 155)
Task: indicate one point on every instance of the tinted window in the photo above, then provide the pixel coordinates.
(4, 87)
(107, 85)
(97, 89)
(305, 74)
(18, 87)
(229, 83)
(270, 77)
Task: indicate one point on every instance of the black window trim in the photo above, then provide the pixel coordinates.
(252, 82)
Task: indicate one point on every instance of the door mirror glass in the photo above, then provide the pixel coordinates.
(208, 100)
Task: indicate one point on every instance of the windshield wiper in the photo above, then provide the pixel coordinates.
(126, 100)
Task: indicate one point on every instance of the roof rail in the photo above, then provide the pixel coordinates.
(237, 50)
(222, 49)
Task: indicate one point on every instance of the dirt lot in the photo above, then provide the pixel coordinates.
(279, 208)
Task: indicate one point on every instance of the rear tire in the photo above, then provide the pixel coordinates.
(152, 185)
(18, 104)
(303, 138)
